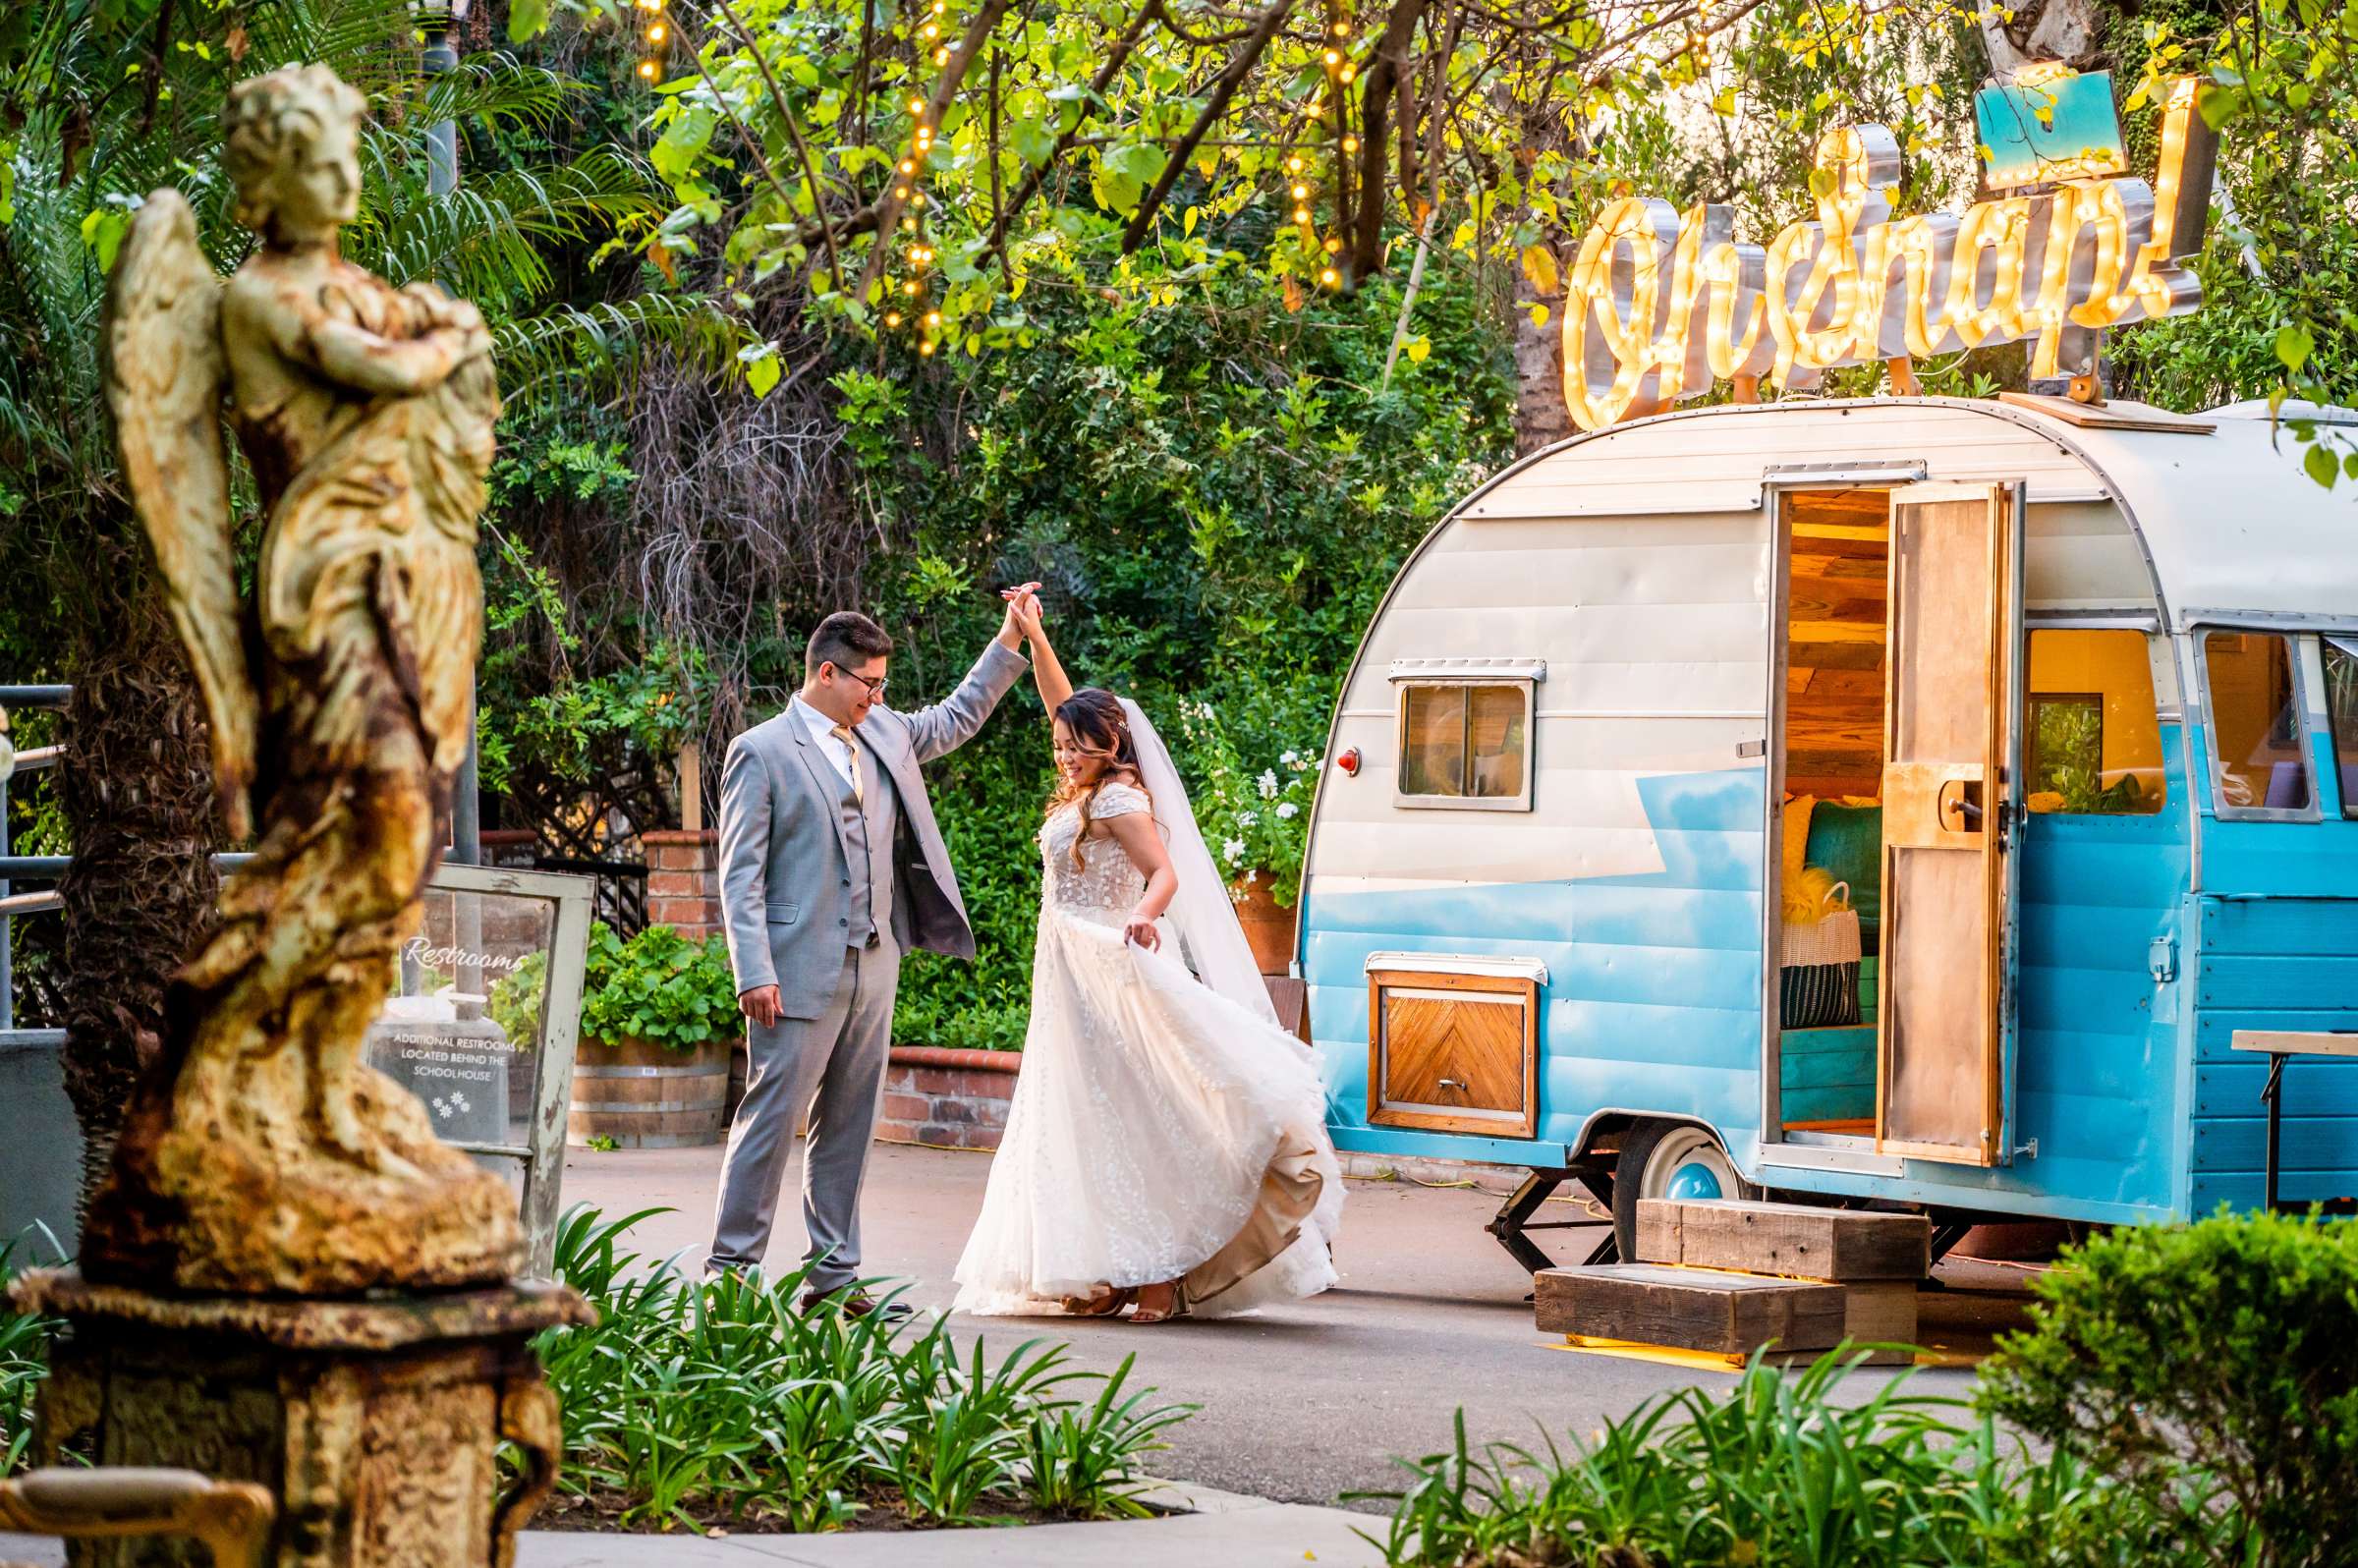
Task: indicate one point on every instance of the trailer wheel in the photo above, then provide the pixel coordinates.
(1668, 1160)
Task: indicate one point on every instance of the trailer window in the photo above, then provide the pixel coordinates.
(1465, 742)
(2255, 724)
(2342, 708)
(2092, 736)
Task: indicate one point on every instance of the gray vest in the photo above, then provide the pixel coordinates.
(867, 832)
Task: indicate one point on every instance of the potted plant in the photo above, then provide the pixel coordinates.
(1253, 804)
(659, 1017)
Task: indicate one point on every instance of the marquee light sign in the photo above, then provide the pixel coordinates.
(1660, 303)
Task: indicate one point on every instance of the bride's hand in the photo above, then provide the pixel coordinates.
(1140, 928)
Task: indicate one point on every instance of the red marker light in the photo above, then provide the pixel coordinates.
(1348, 761)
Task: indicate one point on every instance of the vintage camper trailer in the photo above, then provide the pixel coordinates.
(2066, 695)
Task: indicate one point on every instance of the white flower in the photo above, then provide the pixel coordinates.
(1250, 878)
(1232, 850)
(1287, 809)
(1290, 759)
(1247, 818)
(1269, 783)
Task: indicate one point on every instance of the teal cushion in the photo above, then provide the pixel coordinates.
(1848, 841)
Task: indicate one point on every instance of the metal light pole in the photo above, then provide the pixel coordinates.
(440, 19)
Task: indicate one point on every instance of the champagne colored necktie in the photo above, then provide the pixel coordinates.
(843, 733)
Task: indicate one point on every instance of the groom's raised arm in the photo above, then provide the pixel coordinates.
(950, 723)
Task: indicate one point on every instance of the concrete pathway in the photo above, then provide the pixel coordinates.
(1224, 1528)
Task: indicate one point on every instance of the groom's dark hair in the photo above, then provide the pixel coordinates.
(843, 640)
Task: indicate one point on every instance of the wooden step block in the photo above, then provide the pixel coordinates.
(1689, 1309)
(1792, 1239)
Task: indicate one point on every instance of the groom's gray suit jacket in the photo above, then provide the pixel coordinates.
(785, 866)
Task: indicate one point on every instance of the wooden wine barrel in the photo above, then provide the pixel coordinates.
(646, 1097)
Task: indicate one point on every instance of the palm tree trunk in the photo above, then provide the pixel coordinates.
(138, 794)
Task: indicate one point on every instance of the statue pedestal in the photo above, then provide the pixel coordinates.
(375, 1421)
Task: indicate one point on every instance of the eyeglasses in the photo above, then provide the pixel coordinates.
(875, 685)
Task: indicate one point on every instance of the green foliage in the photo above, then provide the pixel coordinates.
(1783, 1470)
(24, 1363)
(2213, 1371)
(2280, 268)
(658, 986)
(1255, 756)
(690, 1400)
(516, 1000)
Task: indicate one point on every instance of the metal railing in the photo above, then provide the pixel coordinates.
(12, 904)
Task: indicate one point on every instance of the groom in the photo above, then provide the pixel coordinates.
(830, 869)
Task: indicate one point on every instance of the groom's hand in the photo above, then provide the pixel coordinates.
(1012, 628)
(763, 1005)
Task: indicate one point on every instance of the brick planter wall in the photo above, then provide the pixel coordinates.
(682, 880)
(946, 1099)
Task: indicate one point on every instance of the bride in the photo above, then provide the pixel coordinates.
(1167, 1148)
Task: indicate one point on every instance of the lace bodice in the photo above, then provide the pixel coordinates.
(1105, 887)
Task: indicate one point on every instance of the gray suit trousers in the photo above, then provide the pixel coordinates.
(834, 1064)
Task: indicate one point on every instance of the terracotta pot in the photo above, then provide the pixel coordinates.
(644, 1095)
(1268, 929)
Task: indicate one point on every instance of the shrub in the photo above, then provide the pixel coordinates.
(688, 1402)
(24, 1363)
(1778, 1472)
(2211, 1369)
(658, 986)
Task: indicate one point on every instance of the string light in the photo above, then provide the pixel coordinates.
(941, 56)
(657, 34)
(1301, 214)
(893, 318)
(908, 165)
(646, 69)
(1347, 75)
(1293, 165)
(932, 319)
(1301, 192)
(1330, 277)
(1334, 57)
(926, 348)
(916, 106)
(1342, 29)
(1349, 144)
(1333, 245)
(910, 288)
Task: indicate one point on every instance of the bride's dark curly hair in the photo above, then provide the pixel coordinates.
(1094, 717)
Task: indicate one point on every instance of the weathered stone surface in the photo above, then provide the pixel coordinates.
(262, 1155)
(376, 1424)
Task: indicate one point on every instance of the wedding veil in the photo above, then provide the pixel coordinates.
(1203, 914)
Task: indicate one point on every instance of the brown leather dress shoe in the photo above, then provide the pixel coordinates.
(855, 1303)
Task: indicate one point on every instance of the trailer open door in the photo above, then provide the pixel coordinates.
(1952, 786)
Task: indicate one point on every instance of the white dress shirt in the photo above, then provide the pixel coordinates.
(822, 730)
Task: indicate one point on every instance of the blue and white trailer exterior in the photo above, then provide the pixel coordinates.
(1540, 916)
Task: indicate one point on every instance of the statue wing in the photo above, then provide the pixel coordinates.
(165, 376)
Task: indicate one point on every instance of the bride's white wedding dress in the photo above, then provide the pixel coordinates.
(1160, 1129)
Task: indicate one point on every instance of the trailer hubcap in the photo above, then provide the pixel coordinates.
(1689, 1164)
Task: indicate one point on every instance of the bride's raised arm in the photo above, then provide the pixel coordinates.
(1047, 673)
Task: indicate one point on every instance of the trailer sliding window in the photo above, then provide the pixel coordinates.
(1465, 743)
(2259, 752)
(2341, 713)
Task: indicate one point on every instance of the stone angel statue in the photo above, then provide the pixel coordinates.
(264, 1155)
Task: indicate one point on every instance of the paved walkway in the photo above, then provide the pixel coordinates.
(1226, 1530)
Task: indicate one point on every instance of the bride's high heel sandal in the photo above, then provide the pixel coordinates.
(1105, 1306)
(1177, 1307)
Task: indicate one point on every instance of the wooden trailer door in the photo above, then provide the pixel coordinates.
(1952, 786)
